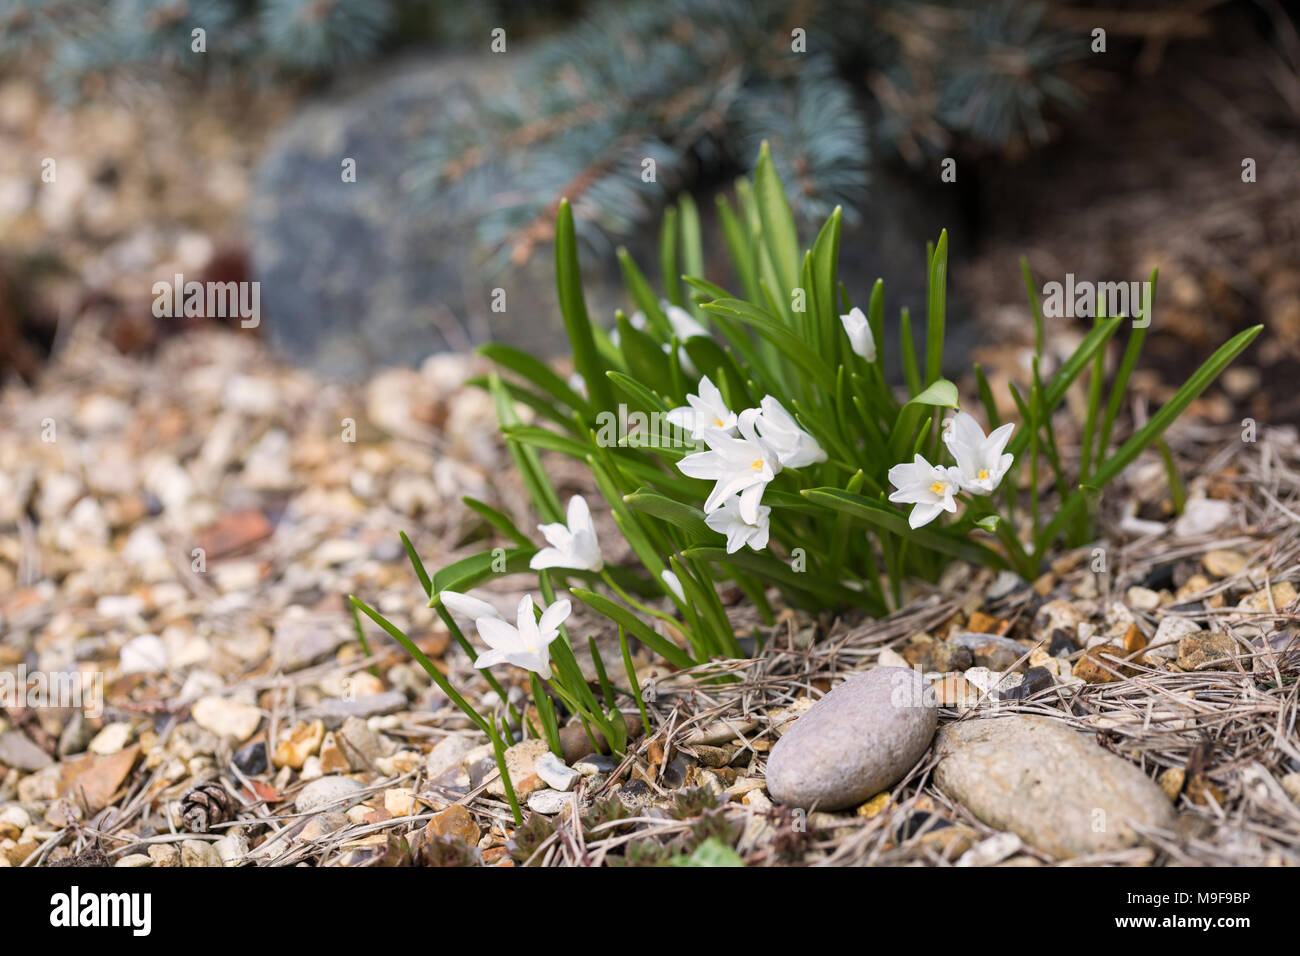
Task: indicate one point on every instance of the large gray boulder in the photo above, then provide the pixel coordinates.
(357, 275)
(389, 269)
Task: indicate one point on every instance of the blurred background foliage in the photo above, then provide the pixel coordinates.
(1102, 164)
(692, 84)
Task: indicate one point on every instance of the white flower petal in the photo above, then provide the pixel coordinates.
(525, 620)
(556, 534)
(549, 558)
(466, 606)
(923, 514)
(579, 515)
(858, 330)
(554, 615)
(573, 546)
(674, 584)
(490, 658)
(497, 633)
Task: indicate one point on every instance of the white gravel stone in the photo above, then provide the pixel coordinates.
(547, 802)
(1202, 516)
(145, 654)
(993, 850)
(111, 739)
(555, 773)
(326, 790)
(448, 754)
(1169, 633)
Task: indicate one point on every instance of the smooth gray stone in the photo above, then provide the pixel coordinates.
(18, 751)
(859, 739)
(991, 650)
(326, 790)
(1052, 786)
(333, 711)
(306, 639)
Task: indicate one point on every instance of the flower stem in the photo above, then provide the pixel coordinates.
(608, 579)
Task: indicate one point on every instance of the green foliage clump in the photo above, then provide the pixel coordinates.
(748, 438)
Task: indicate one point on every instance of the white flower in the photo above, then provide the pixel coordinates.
(794, 447)
(980, 461)
(706, 410)
(729, 521)
(573, 545)
(928, 486)
(858, 329)
(528, 643)
(674, 584)
(740, 466)
(683, 323)
(466, 606)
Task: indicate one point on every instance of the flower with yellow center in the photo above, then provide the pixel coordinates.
(981, 462)
(929, 487)
(740, 466)
(794, 447)
(704, 411)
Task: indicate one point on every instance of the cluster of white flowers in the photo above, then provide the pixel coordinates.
(981, 463)
(527, 643)
(746, 451)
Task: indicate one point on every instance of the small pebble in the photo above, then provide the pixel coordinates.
(992, 851)
(1143, 599)
(456, 822)
(199, 853)
(326, 790)
(594, 764)
(1202, 516)
(111, 739)
(399, 801)
(226, 718)
(145, 654)
(548, 802)
(165, 854)
(1206, 650)
(1035, 679)
(555, 773)
(251, 760)
(1171, 781)
(991, 650)
(1224, 564)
